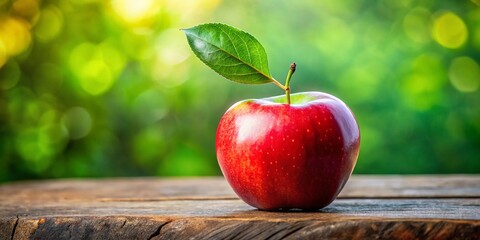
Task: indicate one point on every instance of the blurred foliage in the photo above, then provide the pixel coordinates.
(94, 88)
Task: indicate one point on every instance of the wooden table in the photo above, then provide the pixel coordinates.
(386, 207)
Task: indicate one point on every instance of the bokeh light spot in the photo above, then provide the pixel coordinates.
(134, 11)
(14, 35)
(96, 66)
(115, 59)
(79, 55)
(50, 24)
(464, 74)
(96, 77)
(78, 122)
(449, 30)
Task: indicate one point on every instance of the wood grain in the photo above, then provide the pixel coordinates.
(385, 207)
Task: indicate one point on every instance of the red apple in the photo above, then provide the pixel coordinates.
(279, 156)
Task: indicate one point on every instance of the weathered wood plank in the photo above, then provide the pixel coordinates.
(211, 228)
(466, 209)
(353, 229)
(133, 189)
(90, 228)
(388, 207)
(412, 186)
(154, 189)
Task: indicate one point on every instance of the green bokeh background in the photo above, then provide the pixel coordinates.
(93, 88)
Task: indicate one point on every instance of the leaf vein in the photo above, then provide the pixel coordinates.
(230, 39)
(246, 46)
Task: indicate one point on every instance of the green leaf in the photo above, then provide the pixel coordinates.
(232, 53)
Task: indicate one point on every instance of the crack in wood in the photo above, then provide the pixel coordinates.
(14, 227)
(158, 231)
(123, 224)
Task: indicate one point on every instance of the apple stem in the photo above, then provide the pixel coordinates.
(293, 66)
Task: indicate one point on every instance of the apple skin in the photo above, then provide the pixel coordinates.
(277, 156)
